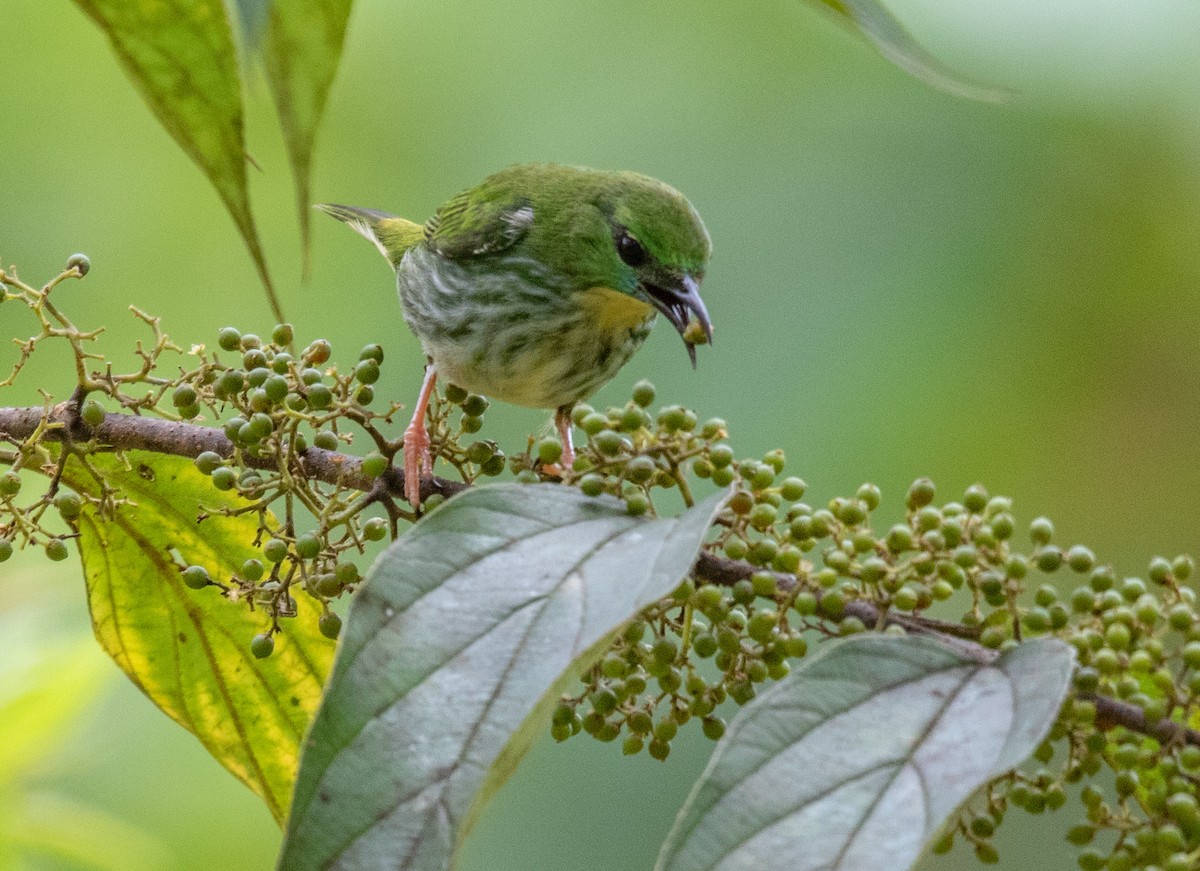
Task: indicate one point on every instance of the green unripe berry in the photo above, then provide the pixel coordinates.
(255, 363)
(474, 405)
(792, 489)
(664, 650)
(906, 599)
(1081, 559)
(208, 461)
(1181, 617)
(975, 499)
(195, 577)
(1118, 636)
(1182, 567)
(1091, 860)
(319, 397)
(1036, 620)
(720, 456)
(366, 372)
(92, 413)
(252, 570)
(275, 389)
(308, 546)
(639, 470)
(282, 335)
(608, 442)
(643, 393)
(763, 583)
(899, 539)
(184, 395)
(1041, 530)
(920, 494)
(986, 853)
(229, 339)
(713, 728)
(10, 484)
(311, 376)
(1002, 526)
(636, 504)
(374, 464)
(326, 440)
(275, 550)
(762, 625)
(550, 450)
(1191, 654)
(80, 263)
(329, 624)
(1081, 835)
(762, 516)
(262, 645)
(224, 478)
(592, 484)
(69, 505)
(1049, 559)
(6, 549)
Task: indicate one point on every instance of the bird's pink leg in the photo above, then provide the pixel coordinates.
(417, 462)
(562, 420)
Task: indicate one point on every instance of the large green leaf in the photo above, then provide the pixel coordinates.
(454, 651)
(188, 650)
(872, 19)
(181, 56)
(854, 760)
(301, 49)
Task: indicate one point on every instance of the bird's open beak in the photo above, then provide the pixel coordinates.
(679, 300)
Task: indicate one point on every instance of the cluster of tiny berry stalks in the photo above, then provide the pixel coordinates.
(791, 572)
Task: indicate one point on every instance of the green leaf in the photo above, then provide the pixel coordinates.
(456, 648)
(854, 760)
(181, 56)
(301, 50)
(188, 650)
(897, 45)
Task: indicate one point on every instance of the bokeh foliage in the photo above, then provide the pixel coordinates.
(911, 284)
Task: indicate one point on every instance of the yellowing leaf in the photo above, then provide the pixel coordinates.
(181, 56)
(188, 650)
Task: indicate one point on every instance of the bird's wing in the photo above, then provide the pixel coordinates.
(393, 236)
(471, 225)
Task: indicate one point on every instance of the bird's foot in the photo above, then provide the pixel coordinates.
(417, 462)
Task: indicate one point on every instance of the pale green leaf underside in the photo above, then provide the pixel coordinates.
(301, 50)
(181, 56)
(463, 630)
(896, 44)
(188, 650)
(853, 761)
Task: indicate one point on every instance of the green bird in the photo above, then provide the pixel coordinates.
(537, 285)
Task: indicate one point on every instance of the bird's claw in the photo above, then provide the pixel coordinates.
(417, 463)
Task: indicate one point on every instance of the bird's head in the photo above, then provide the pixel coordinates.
(630, 233)
(657, 249)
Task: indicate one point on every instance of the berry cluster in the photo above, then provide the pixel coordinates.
(779, 573)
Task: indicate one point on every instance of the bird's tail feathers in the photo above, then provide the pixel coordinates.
(393, 236)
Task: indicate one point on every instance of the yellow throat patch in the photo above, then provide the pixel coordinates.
(611, 310)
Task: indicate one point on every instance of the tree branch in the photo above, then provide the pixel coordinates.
(131, 432)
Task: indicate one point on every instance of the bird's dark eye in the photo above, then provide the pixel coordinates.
(630, 249)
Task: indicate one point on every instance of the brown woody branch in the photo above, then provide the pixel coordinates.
(130, 432)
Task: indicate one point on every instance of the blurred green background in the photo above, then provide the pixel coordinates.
(903, 284)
